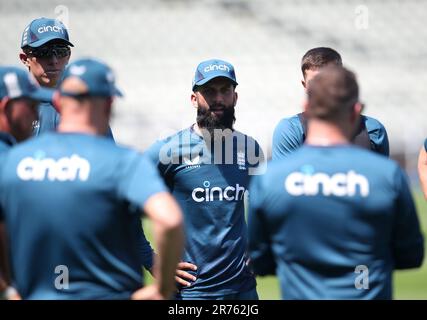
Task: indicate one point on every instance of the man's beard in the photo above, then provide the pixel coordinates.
(207, 120)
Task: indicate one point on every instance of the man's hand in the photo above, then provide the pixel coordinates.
(150, 292)
(181, 275)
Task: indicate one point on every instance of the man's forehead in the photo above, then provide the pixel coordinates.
(218, 82)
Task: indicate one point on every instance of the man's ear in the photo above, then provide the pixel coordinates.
(357, 110)
(304, 84)
(24, 59)
(3, 103)
(194, 100)
(236, 96)
(109, 108)
(305, 105)
(69, 56)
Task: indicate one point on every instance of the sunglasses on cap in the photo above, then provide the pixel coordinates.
(60, 51)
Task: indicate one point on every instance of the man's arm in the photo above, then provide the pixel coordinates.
(167, 219)
(407, 241)
(377, 135)
(261, 256)
(422, 168)
(287, 137)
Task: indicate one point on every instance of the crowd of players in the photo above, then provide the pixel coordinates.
(331, 214)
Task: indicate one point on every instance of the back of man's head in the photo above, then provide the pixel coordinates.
(332, 94)
(320, 57)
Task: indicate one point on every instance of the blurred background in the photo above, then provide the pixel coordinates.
(155, 45)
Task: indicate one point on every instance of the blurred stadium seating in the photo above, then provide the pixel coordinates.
(155, 45)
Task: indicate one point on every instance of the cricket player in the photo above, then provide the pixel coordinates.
(290, 133)
(333, 220)
(45, 52)
(207, 167)
(422, 168)
(19, 97)
(82, 241)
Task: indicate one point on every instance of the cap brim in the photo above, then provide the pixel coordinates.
(41, 42)
(117, 92)
(42, 94)
(206, 80)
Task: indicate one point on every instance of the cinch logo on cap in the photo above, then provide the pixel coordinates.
(43, 29)
(214, 67)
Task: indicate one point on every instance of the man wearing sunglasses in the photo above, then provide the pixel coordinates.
(45, 52)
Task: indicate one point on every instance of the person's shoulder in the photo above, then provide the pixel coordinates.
(175, 137)
(372, 123)
(163, 146)
(374, 163)
(293, 122)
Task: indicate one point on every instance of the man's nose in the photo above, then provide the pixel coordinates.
(53, 59)
(218, 97)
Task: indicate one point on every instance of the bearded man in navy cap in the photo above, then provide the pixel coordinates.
(207, 167)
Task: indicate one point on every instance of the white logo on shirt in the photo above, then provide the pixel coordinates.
(207, 193)
(63, 169)
(339, 184)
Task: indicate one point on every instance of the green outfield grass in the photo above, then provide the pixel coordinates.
(408, 284)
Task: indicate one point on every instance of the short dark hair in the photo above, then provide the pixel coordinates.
(332, 94)
(317, 58)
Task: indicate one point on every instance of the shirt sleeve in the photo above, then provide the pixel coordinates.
(425, 145)
(260, 249)
(153, 152)
(378, 136)
(139, 180)
(286, 139)
(407, 242)
(146, 251)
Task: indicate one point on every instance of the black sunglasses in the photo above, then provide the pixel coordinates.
(60, 51)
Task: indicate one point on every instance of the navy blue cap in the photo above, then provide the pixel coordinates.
(18, 83)
(43, 30)
(214, 68)
(95, 79)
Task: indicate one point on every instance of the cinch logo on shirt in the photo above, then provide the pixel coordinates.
(229, 193)
(63, 169)
(339, 184)
(213, 67)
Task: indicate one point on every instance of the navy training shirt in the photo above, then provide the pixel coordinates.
(74, 201)
(210, 191)
(321, 216)
(289, 135)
